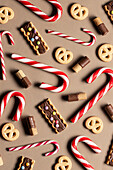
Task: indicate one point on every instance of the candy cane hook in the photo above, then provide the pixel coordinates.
(42, 15)
(33, 145)
(21, 105)
(93, 37)
(45, 68)
(77, 154)
(1, 52)
(99, 95)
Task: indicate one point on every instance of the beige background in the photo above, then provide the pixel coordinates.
(34, 95)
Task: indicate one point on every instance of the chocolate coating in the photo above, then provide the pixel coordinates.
(110, 7)
(102, 29)
(84, 61)
(52, 115)
(26, 164)
(25, 82)
(31, 122)
(72, 97)
(110, 156)
(109, 110)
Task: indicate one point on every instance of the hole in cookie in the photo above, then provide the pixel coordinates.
(3, 11)
(97, 121)
(9, 127)
(7, 134)
(109, 49)
(103, 51)
(9, 13)
(107, 56)
(76, 8)
(14, 134)
(78, 14)
(3, 18)
(98, 128)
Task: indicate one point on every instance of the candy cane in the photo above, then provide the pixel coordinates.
(74, 39)
(91, 144)
(1, 52)
(21, 105)
(45, 68)
(99, 95)
(33, 145)
(44, 16)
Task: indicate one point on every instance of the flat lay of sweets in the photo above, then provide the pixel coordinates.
(52, 115)
(34, 38)
(28, 114)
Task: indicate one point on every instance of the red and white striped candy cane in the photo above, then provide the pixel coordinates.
(21, 105)
(1, 52)
(93, 37)
(33, 145)
(45, 68)
(77, 154)
(99, 95)
(42, 15)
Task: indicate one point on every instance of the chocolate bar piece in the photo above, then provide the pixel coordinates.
(53, 116)
(23, 79)
(109, 9)
(81, 64)
(31, 125)
(34, 38)
(26, 164)
(109, 110)
(77, 97)
(100, 26)
(110, 156)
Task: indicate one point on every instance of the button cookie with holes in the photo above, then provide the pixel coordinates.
(63, 56)
(105, 52)
(78, 12)
(95, 124)
(9, 132)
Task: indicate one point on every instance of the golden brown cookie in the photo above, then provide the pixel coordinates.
(94, 124)
(105, 52)
(63, 56)
(6, 14)
(9, 132)
(78, 12)
(64, 163)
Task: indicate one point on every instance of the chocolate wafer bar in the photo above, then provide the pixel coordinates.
(109, 10)
(26, 164)
(53, 116)
(110, 156)
(34, 38)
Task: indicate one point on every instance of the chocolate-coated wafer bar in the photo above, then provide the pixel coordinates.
(26, 164)
(100, 26)
(81, 64)
(34, 38)
(109, 110)
(31, 125)
(23, 79)
(77, 97)
(53, 116)
(109, 9)
(110, 156)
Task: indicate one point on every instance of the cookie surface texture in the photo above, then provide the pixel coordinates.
(94, 124)
(64, 163)
(105, 52)
(63, 56)
(9, 132)
(78, 12)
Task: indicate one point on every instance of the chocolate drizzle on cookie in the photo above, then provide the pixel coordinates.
(26, 164)
(52, 115)
(34, 38)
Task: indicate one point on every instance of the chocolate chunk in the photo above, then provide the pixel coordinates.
(23, 79)
(109, 110)
(100, 26)
(52, 115)
(110, 156)
(77, 96)
(31, 125)
(34, 37)
(26, 164)
(81, 64)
